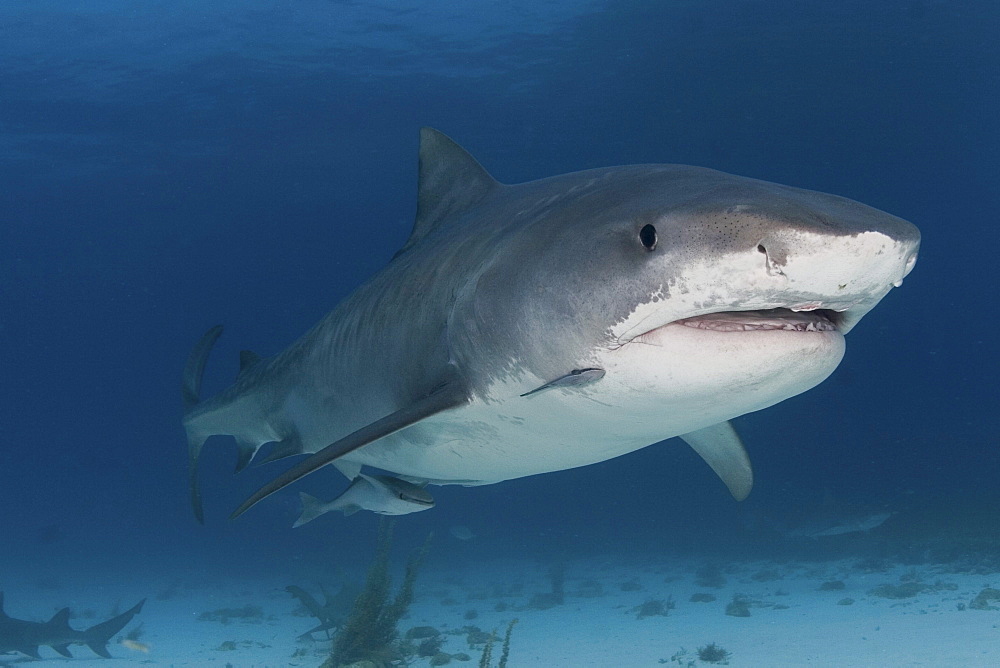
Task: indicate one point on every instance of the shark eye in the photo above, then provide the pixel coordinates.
(647, 237)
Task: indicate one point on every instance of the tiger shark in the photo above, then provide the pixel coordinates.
(531, 328)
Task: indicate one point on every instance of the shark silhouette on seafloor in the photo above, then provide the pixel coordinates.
(18, 635)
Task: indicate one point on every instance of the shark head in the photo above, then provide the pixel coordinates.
(689, 287)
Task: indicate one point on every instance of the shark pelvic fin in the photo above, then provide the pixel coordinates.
(286, 447)
(450, 182)
(245, 450)
(449, 395)
(721, 448)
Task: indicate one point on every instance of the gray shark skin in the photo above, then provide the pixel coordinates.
(18, 635)
(688, 296)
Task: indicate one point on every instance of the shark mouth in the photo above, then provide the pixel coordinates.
(819, 320)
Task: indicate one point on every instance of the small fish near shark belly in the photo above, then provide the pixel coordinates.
(546, 325)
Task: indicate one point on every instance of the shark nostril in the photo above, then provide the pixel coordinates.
(771, 263)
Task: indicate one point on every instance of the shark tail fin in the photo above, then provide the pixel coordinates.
(194, 369)
(98, 636)
(311, 509)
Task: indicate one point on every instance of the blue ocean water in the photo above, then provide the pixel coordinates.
(168, 166)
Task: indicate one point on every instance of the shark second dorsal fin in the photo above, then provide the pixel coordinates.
(247, 359)
(450, 183)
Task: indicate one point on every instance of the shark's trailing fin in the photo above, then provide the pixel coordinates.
(248, 358)
(98, 636)
(191, 394)
(450, 183)
(63, 649)
(721, 448)
(447, 396)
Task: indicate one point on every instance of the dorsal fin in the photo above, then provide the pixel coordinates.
(60, 620)
(450, 183)
(247, 359)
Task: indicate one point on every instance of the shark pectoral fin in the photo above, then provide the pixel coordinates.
(447, 396)
(721, 448)
(574, 378)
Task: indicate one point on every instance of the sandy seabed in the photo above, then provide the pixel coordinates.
(646, 612)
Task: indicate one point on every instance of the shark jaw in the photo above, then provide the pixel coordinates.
(786, 320)
(739, 332)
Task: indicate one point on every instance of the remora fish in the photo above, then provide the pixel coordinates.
(18, 635)
(380, 494)
(649, 301)
(839, 526)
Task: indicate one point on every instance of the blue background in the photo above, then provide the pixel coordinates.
(168, 166)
